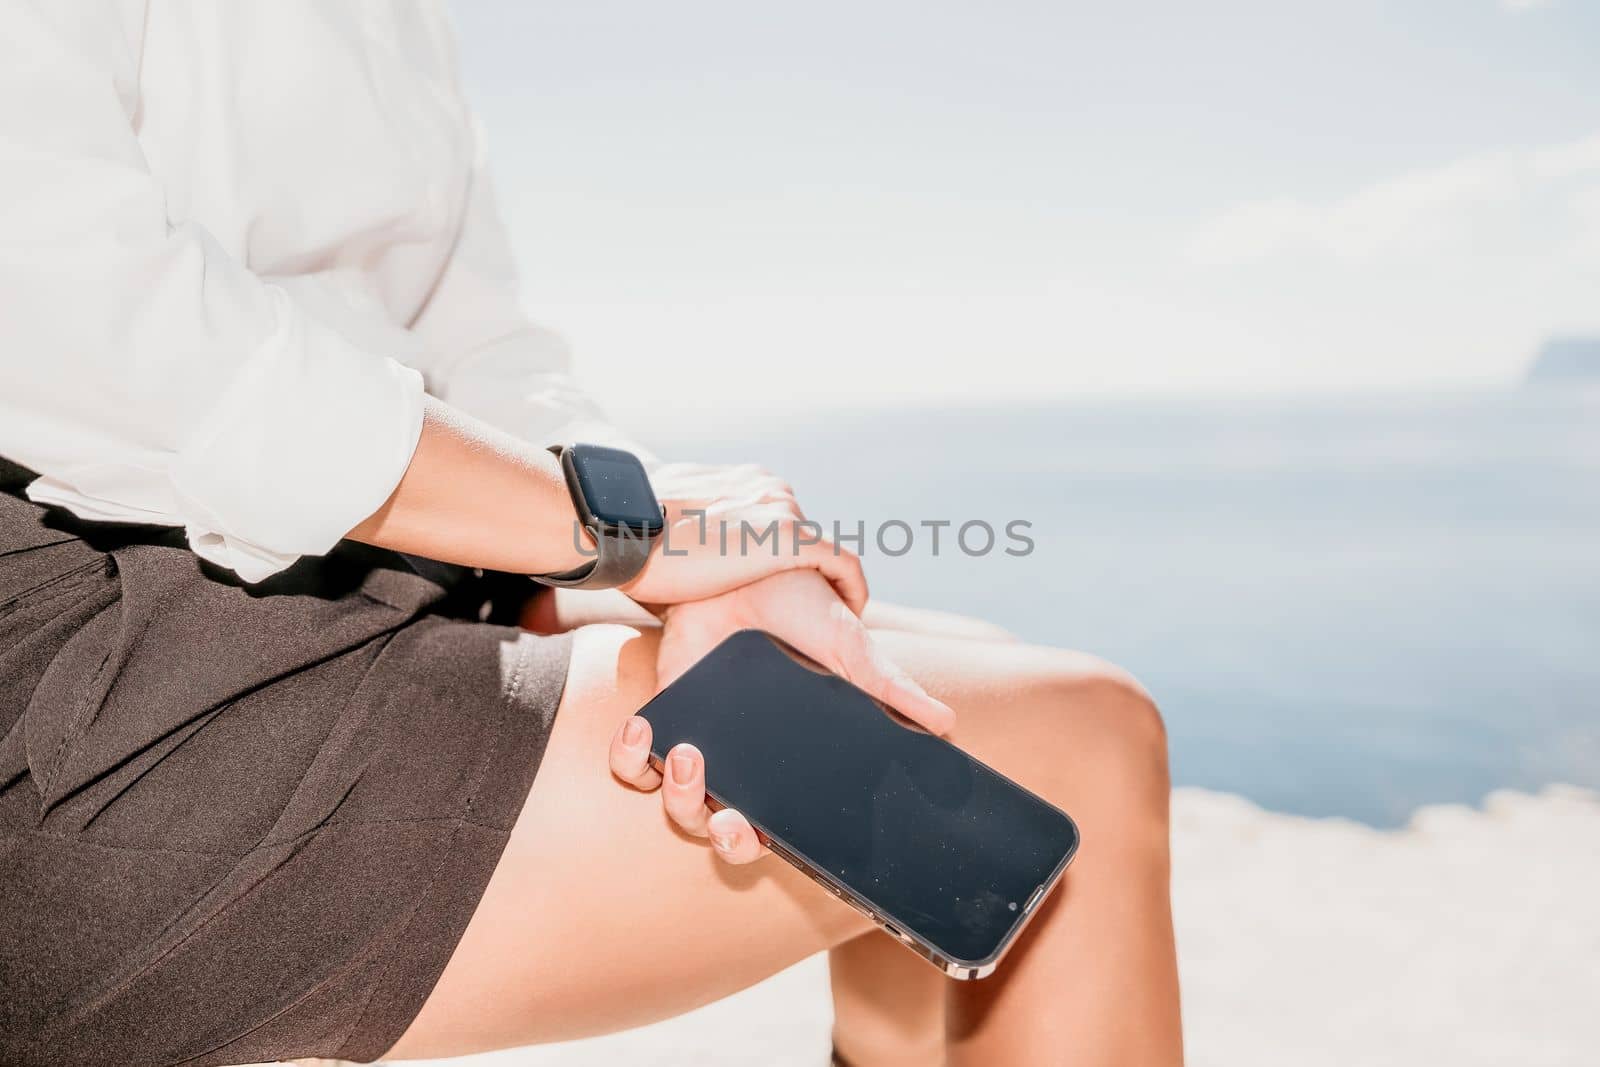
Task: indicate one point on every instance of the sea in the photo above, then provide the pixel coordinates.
(1346, 606)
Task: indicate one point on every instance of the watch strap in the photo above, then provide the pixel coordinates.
(622, 557)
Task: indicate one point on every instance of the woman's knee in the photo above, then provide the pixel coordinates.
(1125, 713)
(933, 623)
(1098, 739)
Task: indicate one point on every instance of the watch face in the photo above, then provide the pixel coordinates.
(616, 487)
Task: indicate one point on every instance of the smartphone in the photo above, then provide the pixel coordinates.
(947, 855)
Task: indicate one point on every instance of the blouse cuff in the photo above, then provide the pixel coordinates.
(311, 437)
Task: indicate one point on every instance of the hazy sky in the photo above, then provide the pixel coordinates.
(787, 205)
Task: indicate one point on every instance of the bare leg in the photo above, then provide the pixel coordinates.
(1098, 970)
(1097, 982)
(888, 1005)
(600, 916)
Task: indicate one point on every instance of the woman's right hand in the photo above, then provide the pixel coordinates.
(475, 496)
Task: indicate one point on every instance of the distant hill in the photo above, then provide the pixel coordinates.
(1563, 360)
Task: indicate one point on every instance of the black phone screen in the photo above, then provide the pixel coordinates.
(929, 838)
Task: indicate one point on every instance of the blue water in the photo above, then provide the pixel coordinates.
(1345, 607)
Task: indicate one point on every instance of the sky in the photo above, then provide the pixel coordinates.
(799, 206)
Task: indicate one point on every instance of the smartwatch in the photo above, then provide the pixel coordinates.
(612, 496)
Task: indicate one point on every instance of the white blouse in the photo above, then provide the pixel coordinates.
(237, 243)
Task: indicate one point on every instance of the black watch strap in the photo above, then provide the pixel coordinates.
(621, 558)
(622, 553)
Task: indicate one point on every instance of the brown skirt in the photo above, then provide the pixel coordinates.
(244, 823)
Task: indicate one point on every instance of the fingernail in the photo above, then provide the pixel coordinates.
(725, 842)
(683, 768)
(633, 731)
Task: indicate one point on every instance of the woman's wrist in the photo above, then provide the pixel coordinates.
(474, 496)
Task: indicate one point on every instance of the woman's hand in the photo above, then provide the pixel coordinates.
(711, 485)
(478, 497)
(730, 526)
(801, 609)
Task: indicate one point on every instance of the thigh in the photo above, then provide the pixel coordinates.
(881, 615)
(600, 916)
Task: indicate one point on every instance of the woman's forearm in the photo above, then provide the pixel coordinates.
(478, 497)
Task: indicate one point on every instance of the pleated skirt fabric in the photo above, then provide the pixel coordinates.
(244, 823)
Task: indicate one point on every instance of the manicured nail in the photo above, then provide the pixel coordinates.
(725, 842)
(633, 731)
(683, 768)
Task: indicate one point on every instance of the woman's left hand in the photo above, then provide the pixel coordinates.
(799, 607)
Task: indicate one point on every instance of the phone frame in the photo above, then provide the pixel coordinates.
(954, 967)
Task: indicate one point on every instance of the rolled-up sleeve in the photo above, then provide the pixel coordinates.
(488, 357)
(145, 374)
